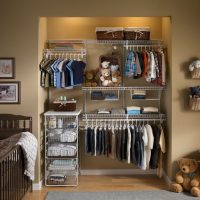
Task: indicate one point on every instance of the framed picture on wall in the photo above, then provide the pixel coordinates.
(10, 92)
(7, 68)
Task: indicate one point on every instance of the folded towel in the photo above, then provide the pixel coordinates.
(133, 108)
(103, 111)
(133, 112)
(150, 110)
(138, 96)
(139, 92)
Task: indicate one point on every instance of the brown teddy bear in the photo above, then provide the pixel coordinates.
(116, 78)
(106, 77)
(186, 177)
(91, 78)
(195, 183)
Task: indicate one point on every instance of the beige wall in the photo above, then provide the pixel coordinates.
(84, 28)
(19, 38)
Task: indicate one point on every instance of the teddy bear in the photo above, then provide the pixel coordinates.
(106, 77)
(105, 64)
(116, 78)
(195, 183)
(114, 68)
(91, 78)
(194, 64)
(186, 177)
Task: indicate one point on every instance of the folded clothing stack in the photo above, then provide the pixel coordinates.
(118, 111)
(138, 94)
(103, 111)
(133, 110)
(149, 110)
(97, 95)
(111, 96)
(62, 165)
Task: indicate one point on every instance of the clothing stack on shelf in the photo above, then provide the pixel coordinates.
(99, 95)
(103, 111)
(57, 165)
(149, 65)
(133, 110)
(59, 149)
(61, 73)
(136, 144)
(138, 94)
(149, 110)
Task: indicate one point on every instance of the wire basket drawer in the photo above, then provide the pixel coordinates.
(62, 135)
(62, 178)
(61, 150)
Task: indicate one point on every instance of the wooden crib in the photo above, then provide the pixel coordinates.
(13, 183)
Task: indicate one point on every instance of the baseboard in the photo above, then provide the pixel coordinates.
(115, 172)
(37, 186)
(166, 178)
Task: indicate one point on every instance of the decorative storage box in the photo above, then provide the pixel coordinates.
(137, 33)
(109, 33)
(194, 103)
(69, 105)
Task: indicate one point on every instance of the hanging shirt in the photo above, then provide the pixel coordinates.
(128, 145)
(162, 140)
(156, 147)
(145, 139)
(149, 146)
(78, 71)
(71, 78)
(133, 156)
(130, 66)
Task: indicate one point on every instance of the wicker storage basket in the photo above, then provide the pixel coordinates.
(194, 103)
(69, 105)
(195, 73)
(136, 33)
(109, 33)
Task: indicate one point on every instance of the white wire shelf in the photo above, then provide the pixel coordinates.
(123, 42)
(124, 88)
(92, 116)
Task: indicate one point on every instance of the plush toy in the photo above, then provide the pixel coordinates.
(186, 176)
(195, 183)
(105, 64)
(116, 78)
(91, 78)
(194, 64)
(106, 77)
(114, 68)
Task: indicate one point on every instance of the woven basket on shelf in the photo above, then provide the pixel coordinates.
(194, 103)
(109, 33)
(196, 73)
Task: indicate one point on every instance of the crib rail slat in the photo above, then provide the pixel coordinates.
(13, 183)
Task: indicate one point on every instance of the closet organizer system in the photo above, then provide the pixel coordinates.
(131, 137)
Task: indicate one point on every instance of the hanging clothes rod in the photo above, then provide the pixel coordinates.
(64, 52)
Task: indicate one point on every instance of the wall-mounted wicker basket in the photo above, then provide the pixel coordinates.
(194, 103)
(195, 73)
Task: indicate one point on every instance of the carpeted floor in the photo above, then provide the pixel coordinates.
(129, 195)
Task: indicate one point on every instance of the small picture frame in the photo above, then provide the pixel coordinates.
(7, 68)
(10, 92)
